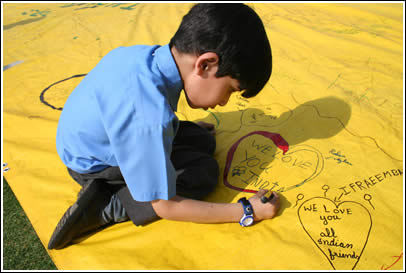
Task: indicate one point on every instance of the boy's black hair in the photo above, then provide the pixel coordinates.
(236, 34)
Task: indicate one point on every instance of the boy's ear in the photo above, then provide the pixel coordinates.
(206, 63)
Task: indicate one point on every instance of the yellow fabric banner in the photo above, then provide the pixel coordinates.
(335, 96)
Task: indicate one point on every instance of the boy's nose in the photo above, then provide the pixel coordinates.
(225, 101)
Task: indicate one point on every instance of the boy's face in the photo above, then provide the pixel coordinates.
(203, 89)
(209, 92)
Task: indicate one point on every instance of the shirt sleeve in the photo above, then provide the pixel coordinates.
(141, 131)
(143, 155)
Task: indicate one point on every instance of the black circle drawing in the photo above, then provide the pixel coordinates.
(42, 96)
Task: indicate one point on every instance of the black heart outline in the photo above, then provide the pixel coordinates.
(366, 241)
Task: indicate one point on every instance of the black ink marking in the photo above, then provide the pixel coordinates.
(248, 112)
(336, 200)
(298, 198)
(262, 164)
(23, 22)
(368, 182)
(368, 198)
(11, 65)
(325, 188)
(42, 96)
(334, 81)
(345, 128)
(312, 207)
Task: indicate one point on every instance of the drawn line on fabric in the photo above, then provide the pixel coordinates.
(216, 118)
(339, 75)
(338, 157)
(299, 197)
(246, 173)
(37, 12)
(325, 188)
(254, 166)
(397, 260)
(11, 65)
(225, 131)
(328, 237)
(243, 114)
(91, 32)
(364, 95)
(277, 139)
(5, 168)
(342, 124)
(335, 198)
(97, 5)
(364, 184)
(23, 22)
(42, 96)
(371, 82)
(367, 197)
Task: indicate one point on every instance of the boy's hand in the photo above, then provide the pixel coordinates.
(266, 210)
(208, 126)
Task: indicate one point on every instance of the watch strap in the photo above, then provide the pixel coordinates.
(246, 206)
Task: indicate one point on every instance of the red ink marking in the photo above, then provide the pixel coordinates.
(277, 139)
(398, 258)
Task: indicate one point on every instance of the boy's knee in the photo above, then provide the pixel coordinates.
(211, 144)
(198, 181)
(191, 134)
(207, 172)
(213, 171)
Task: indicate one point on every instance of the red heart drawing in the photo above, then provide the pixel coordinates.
(293, 169)
(277, 139)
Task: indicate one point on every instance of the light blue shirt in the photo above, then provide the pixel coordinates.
(122, 114)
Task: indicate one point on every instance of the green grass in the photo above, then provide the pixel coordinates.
(22, 249)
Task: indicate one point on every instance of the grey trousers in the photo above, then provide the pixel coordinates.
(192, 155)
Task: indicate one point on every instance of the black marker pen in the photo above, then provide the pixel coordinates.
(264, 199)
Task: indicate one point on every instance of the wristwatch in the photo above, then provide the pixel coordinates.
(248, 217)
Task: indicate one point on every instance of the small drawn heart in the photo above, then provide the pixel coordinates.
(253, 162)
(340, 231)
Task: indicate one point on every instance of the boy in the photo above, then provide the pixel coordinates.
(120, 139)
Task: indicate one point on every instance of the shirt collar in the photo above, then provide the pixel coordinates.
(170, 72)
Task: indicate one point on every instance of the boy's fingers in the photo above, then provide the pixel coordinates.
(208, 126)
(269, 197)
(261, 192)
(212, 131)
(261, 195)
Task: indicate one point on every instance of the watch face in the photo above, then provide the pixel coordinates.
(247, 221)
